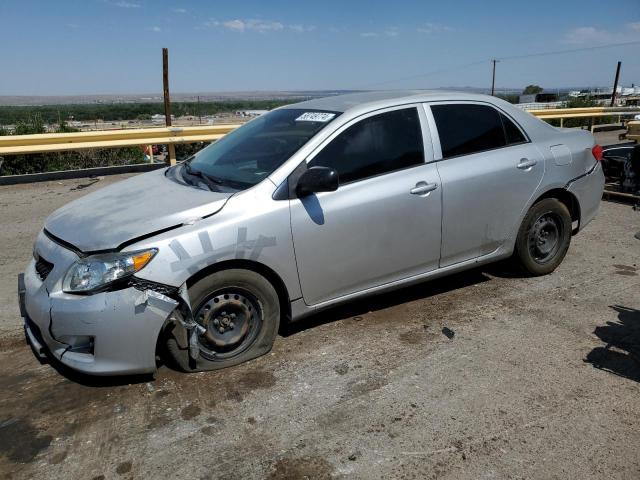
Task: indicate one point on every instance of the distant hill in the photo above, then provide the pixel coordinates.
(24, 100)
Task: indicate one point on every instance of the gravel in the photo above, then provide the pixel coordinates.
(479, 375)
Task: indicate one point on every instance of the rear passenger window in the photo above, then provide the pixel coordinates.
(513, 133)
(376, 145)
(468, 128)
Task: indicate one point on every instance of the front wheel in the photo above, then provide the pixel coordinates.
(544, 237)
(239, 311)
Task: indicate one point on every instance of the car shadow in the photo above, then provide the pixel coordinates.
(504, 269)
(621, 354)
(381, 301)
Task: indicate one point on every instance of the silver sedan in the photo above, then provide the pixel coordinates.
(303, 208)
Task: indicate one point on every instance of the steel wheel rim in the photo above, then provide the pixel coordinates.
(232, 319)
(545, 237)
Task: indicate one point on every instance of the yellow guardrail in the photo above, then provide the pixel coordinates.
(58, 142)
(587, 112)
(584, 110)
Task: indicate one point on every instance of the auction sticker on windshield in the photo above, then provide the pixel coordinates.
(315, 117)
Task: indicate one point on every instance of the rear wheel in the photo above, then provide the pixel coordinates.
(239, 311)
(544, 237)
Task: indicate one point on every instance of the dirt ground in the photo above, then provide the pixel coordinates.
(479, 375)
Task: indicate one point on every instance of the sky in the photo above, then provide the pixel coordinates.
(81, 47)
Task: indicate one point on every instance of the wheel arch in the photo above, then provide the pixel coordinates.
(257, 267)
(568, 199)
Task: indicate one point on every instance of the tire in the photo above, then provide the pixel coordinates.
(544, 237)
(240, 310)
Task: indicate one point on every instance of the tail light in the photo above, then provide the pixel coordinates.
(597, 152)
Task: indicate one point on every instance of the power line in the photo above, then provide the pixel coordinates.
(560, 52)
(427, 74)
(509, 57)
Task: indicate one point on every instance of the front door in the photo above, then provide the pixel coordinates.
(383, 223)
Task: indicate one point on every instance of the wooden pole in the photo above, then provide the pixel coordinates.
(167, 101)
(615, 85)
(493, 78)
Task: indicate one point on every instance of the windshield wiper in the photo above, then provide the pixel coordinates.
(211, 181)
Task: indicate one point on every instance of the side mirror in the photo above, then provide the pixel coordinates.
(317, 179)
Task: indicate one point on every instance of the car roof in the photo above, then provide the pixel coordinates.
(381, 99)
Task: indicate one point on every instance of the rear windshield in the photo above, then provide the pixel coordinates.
(250, 153)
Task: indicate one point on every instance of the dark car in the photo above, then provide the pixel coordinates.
(622, 164)
(613, 160)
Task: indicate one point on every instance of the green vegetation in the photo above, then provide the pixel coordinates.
(532, 89)
(32, 120)
(580, 102)
(585, 121)
(509, 97)
(51, 162)
(30, 125)
(12, 115)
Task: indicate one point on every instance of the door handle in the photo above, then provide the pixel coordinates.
(525, 163)
(422, 188)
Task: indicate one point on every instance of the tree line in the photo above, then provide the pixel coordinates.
(11, 115)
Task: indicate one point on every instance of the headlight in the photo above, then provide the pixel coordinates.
(96, 271)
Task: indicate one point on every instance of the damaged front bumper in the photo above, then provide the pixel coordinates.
(107, 333)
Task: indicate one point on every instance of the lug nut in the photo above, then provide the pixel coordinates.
(216, 322)
(221, 329)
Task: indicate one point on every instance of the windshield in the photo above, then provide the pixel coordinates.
(250, 153)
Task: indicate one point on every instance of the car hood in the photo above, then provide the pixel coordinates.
(136, 207)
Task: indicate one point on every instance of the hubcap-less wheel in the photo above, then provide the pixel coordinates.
(232, 320)
(238, 316)
(544, 237)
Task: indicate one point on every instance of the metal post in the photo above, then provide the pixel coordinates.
(167, 101)
(150, 147)
(561, 122)
(493, 79)
(615, 84)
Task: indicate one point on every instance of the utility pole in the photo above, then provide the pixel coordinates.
(167, 101)
(493, 79)
(199, 113)
(615, 85)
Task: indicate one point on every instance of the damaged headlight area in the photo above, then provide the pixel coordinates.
(98, 272)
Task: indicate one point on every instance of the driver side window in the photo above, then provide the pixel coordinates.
(376, 145)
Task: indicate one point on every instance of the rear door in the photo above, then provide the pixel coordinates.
(489, 171)
(383, 222)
